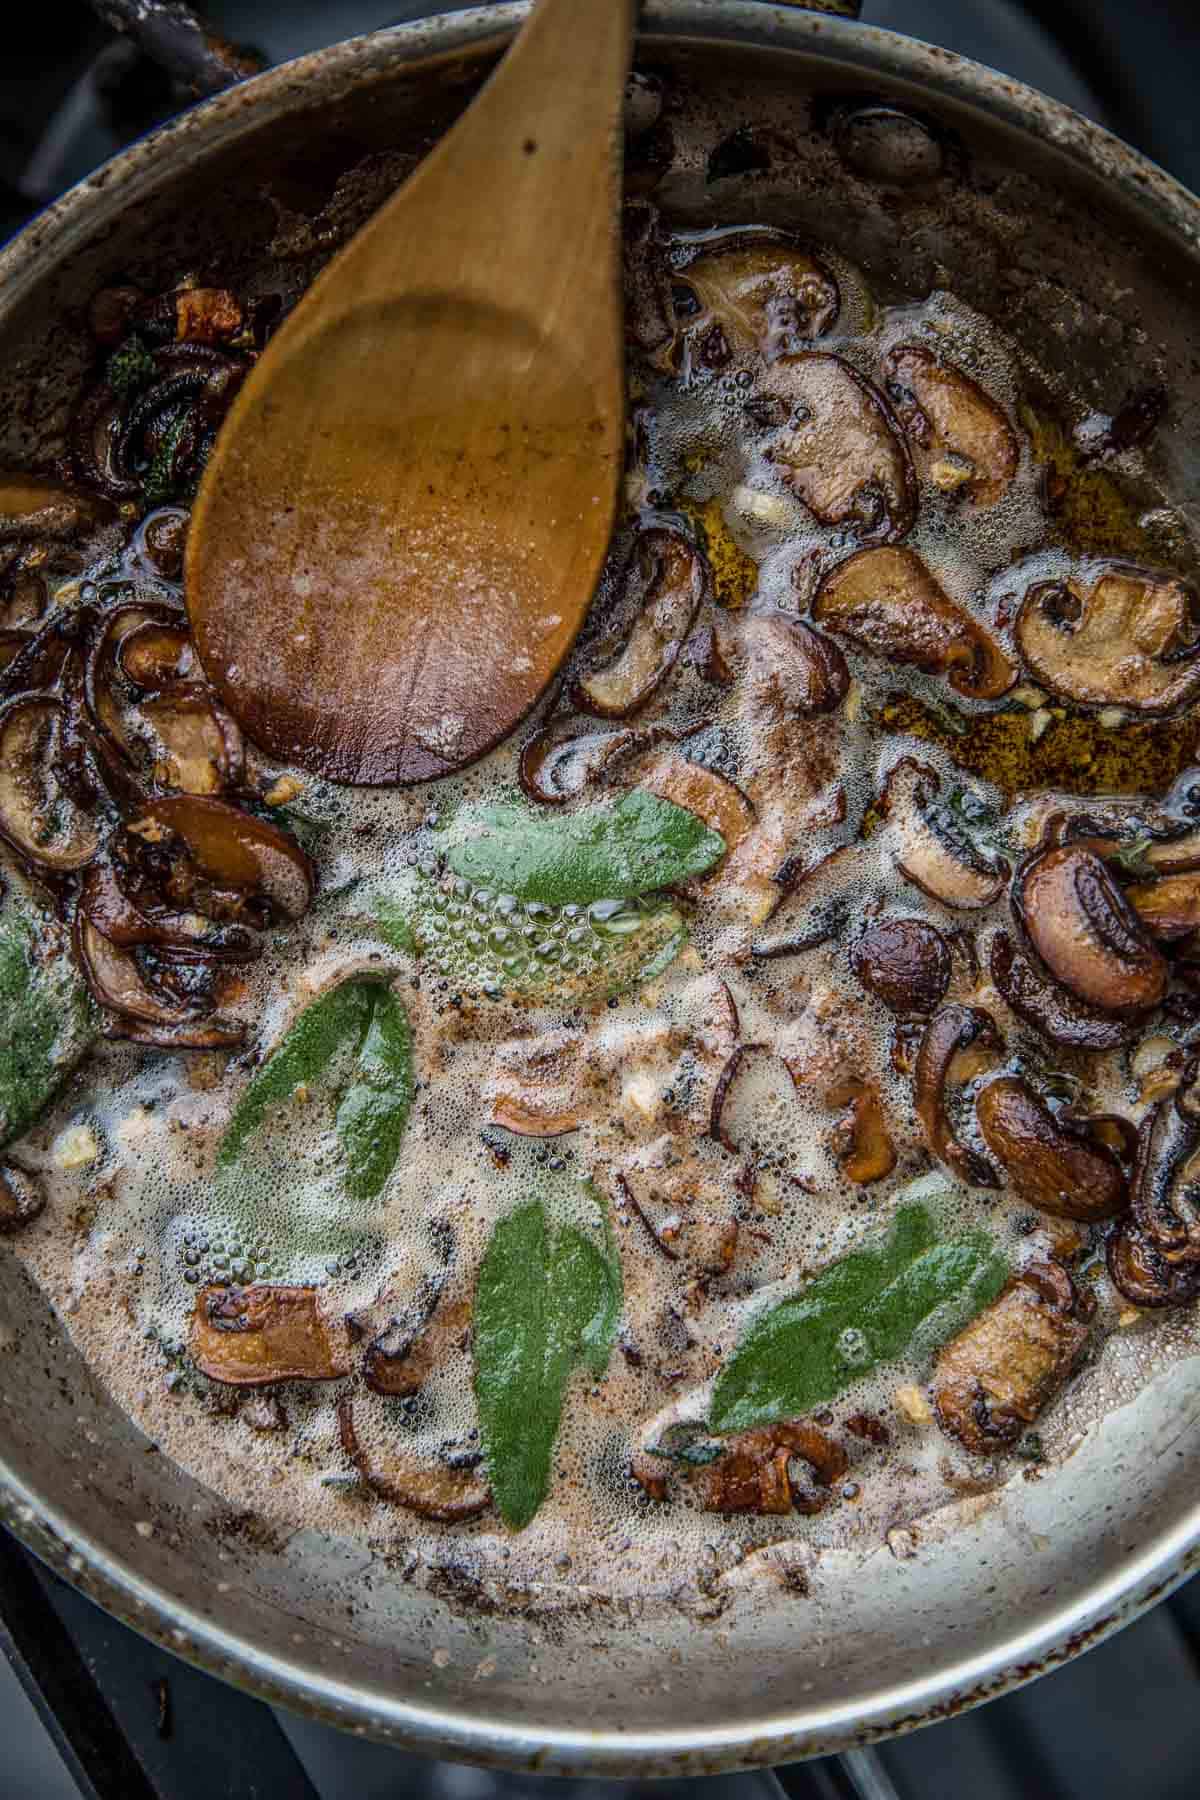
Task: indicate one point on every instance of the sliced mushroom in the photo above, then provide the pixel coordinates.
(22, 1198)
(1052, 1166)
(670, 578)
(887, 603)
(198, 748)
(932, 849)
(38, 816)
(559, 763)
(153, 654)
(31, 507)
(1169, 908)
(253, 1336)
(838, 446)
(711, 796)
(863, 1149)
(431, 1490)
(754, 1475)
(512, 1113)
(964, 441)
(766, 293)
(1086, 933)
(1051, 1009)
(403, 1356)
(813, 906)
(793, 670)
(117, 983)
(954, 1029)
(1166, 1182)
(994, 1379)
(1131, 638)
(1143, 1275)
(904, 963)
(231, 849)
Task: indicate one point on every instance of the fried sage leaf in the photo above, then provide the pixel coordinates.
(363, 1018)
(546, 1300)
(601, 853)
(46, 1022)
(863, 1310)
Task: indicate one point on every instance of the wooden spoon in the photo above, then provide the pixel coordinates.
(408, 507)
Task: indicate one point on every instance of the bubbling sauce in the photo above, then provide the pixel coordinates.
(720, 1205)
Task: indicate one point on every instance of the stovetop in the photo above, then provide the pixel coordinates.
(86, 1706)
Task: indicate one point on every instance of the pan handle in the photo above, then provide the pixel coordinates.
(171, 35)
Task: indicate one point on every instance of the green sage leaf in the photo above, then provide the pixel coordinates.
(546, 1299)
(865, 1309)
(47, 1021)
(601, 853)
(364, 1018)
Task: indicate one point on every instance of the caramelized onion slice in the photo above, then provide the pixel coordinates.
(37, 816)
(253, 1336)
(1054, 1168)
(671, 578)
(964, 441)
(839, 448)
(431, 1490)
(1130, 637)
(950, 1031)
(1085, 932)
(994, 1379)
(232, 849)
(932, 850)
(765, 291)
(888, 604)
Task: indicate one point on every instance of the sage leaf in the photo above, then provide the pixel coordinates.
(865, 1309)
(546, 1299)
(364, 1018)
(601, 853)
(47, 1021)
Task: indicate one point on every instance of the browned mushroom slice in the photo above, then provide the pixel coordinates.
(839, 448)
(402, 1357)
(1050, 1009)
(888, 604)
(153, 654)
(762, 289)
(560, 762)
(198, 748)
(711, 796)
(198, 1034)
(1169, 908)
(1131, 638)
(994, 1379)
(755, 1475)
(117, 982)
(37, 815)
(954, 1029)
(904, 963)
(431, 1490)
(813, 905)
(1166, 1181)
(523, 1119)
(231, 849)
(932, 850)
(670, 578)
(31, 507)
(252, 1336)
(794, 670)
(1143, 1275)
(117, 917)
(21, 1198)
(964, 442)
(861, 1147)
(754, 1079)
(1053, 1167)
(1085, 932)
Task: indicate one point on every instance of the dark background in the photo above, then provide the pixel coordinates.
(1122, 1721)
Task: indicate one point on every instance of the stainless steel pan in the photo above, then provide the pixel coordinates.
(958, 176)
